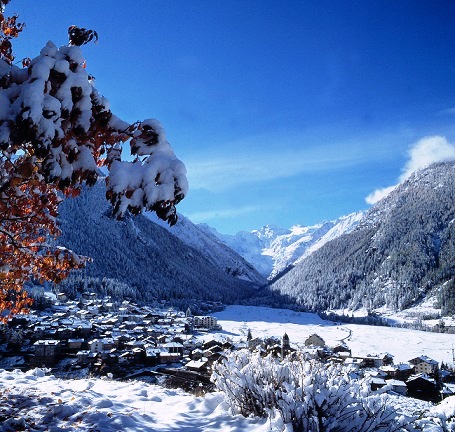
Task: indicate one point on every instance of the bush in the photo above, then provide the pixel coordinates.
(307, 394)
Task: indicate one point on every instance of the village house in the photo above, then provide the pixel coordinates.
(196, 354)
(139, 354)
(96, 345)
(353, 362)
(167, 357)
(174, 348)
(110, 357)
(197, 365)
(88, 296)
(398, 386)
(312, 352)
(425, 365)
(211, 347)
(85, 356)
(62, 297)
(126, 358)
(377, 383)
(376, 361)
(84, 314)
(421, 386)
(447, 390)
(75, 344)
(206, 321)
(152, 356)
(342, 350)
(46, 352)
(39, 331)
(400, 371)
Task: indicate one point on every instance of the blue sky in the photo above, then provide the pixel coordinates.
(284, 112)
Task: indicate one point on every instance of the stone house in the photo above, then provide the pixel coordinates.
(424, 364)
(46, 352)
(314, 340)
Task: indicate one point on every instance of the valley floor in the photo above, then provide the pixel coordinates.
(403, 344)
(37, 401)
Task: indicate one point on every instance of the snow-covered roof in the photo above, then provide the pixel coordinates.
(421, 376)
(47, 342)
(196, 364)
(173, 345)
(396, 383)
(425, 359)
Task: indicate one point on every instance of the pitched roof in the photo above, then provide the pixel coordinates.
(425, 359)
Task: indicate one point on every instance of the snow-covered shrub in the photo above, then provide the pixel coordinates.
(307, 394)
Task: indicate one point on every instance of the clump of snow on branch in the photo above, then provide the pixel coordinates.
(52, 115)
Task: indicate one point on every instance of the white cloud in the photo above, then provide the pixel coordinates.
(426, 151)
(205, 216)
(448, 111)
(378, 194)
(274, 157)
(423, 153)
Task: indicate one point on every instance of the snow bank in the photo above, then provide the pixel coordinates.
(35, 400)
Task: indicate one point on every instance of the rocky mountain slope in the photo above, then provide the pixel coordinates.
(140, 259)
(402, 248)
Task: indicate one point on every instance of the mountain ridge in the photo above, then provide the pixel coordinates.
(403, 247)
(273, 250)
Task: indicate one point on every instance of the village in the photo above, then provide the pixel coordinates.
(102, 338)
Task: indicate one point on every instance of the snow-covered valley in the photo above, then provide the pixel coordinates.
(403, 344)
(37, 401)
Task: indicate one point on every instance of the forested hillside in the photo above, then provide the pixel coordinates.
(212, 248)
(138, 258)
(404, 247)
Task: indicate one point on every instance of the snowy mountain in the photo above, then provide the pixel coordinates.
(402, 248)
(136, 257)
(272, 250)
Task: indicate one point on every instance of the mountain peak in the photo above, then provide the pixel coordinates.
(272, 249)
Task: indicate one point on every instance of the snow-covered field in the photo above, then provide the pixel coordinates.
(403, 344)
(37, 401)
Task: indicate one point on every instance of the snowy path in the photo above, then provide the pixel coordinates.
(348, 337)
